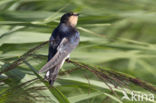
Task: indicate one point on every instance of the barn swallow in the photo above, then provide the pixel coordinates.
(63, 40)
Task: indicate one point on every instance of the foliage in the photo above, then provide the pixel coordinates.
(116, 36)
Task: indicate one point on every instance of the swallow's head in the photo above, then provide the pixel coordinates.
(70, 18)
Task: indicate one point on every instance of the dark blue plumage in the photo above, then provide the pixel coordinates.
(58, 34)
(63, 40)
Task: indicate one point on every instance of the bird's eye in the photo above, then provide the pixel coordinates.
(72, 13)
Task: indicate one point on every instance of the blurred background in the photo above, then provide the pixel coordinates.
(117, 35)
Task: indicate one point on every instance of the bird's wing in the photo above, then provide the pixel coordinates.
(63, 50)
(54, 42)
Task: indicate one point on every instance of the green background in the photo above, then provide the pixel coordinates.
(117, 35)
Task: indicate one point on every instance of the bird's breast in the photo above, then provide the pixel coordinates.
(74, 39)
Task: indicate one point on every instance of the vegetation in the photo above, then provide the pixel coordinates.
(117, 52)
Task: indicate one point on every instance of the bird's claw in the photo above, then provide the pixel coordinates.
(68, 60)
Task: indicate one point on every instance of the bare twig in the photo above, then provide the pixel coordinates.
(117, 75)
(68, 71)
(23, 57)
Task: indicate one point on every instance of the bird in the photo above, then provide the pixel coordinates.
(64, 39)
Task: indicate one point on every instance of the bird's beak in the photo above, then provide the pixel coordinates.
(76, 14)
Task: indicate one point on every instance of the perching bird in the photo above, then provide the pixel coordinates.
(63, 40)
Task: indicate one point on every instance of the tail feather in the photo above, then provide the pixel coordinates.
(53, 72)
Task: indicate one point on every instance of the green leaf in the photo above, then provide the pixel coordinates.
(57, 93)
(82, 97)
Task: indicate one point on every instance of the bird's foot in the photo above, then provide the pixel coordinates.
(68, 60)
